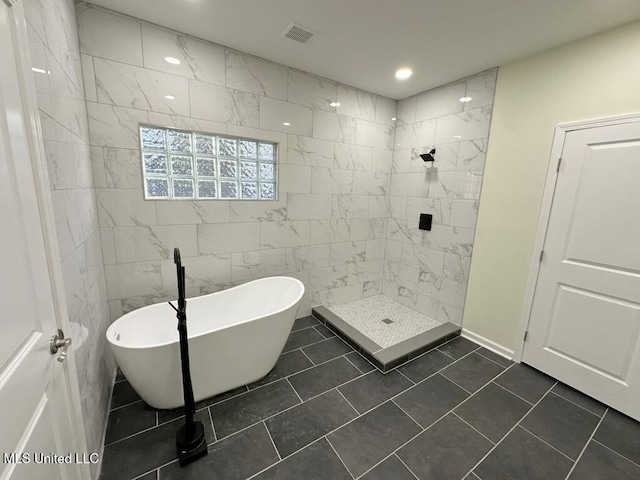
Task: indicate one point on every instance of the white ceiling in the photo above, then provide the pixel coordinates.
(362, 42)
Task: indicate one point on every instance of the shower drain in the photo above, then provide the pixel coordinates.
(387, 320)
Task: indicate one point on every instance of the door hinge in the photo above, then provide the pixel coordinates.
(541, 254)
(558, 166)
(526, 334)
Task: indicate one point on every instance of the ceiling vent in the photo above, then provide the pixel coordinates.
(298, 33)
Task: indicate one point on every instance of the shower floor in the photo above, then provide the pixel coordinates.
(384, 321)
(384, 331)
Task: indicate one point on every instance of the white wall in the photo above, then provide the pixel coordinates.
(592, 78)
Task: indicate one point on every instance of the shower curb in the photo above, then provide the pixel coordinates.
(386, 359)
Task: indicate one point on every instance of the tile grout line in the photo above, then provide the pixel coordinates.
(272, 442)
(511, 430)
(514, 394)
(580, 406)
(547, 443)
(474, 428)
(405, 465)
(617, 453)
(414, 383)
(484, 356)
(307, 357)
(213, 427)
(350, 404)
(345, 356)
(294, 391)
(410, 417)
(339, 457)
(575, 464)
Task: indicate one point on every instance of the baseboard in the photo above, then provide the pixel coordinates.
(488, 344)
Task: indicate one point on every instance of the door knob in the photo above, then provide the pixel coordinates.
(58, 342)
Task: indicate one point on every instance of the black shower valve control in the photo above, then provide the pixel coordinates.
(425, 221)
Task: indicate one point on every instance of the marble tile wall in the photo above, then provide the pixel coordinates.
(329, 224)
(55, 53)
(429, 270)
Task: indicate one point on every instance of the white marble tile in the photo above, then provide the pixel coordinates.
(89, 78)
(228, 238)
(381, 160)
(386, 110)
(393, 251)
(61, 164)
(144, 89)
(256, 76)
(428, 306)
(311, 91)
(367, 228)
(440, 102)
(258, 264)
(450, 239)
(372, 288)
(295, 178)
(308, 206)
(337, 295)
(327, 278)
(374, 135)
(274, 113)
(258, 211)
(402, 275)
(310, 151)
(331, 126)
(188, 123)
(370, 183)
(410, 184)
(353, 157)
(355, 103)
(116, 167)
(133, 279)
(451, 314)
(458, 185)
(456, 267)
(348, 252)
(446, 158)
(402, 160)
(108, 246)
(108, 35)
(378, 206)
(481, 89)
(417, 134)
(464, 213)
(472, 154)
(331, 180)
(284, 234)
(425, 259)
(375, 249)
(429, 284)
(398, 207)
(349, 206)
(124, 208)
(200, 271)
(309, 257)
(329, 231)
(440, 208)
(112, 126)
(220, 104)
(468, 125)
(363, 272)
(406, 112)
(198, 60)
(136, 244)
(173, 212)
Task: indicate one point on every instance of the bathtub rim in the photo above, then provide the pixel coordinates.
(117, 343)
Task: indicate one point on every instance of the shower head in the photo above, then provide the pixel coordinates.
(428, 157)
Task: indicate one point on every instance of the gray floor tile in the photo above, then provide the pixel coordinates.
(234, 458)
(391, 469)
(374, 388)
(458, 347)
(472, 372)
(324, 331)
(302, 338)
(123, 394)
(324, 377)
(128, 420)
(305, 322)
(368, 439)
(445, 451)
(493, 411)
(579, 398)
(522, 456)
(526, 382)
(499, 359)
(360, 362)
(305, 423)
(327, 350)
(620, 433)
(562, 424)
(431, 399)
(167, 415)
(318, 461)
(598, 462)
(288, 364)
(426, 365)
(256, 405)
(119, 375)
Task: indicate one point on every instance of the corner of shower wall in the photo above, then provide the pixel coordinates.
(428, 271)
(55, 53)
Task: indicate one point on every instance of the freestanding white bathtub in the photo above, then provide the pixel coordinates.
(235, 338)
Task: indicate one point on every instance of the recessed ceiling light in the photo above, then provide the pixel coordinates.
(38, 70)
(286, 124)
(393, 119)
(403, 73)
(172, 60)
(334, 104)
(169, 97)
(465, 99)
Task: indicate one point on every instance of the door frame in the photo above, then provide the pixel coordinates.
(557, 147)
(35, 141)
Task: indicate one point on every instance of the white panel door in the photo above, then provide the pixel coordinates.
(35, 416)
(585, 319)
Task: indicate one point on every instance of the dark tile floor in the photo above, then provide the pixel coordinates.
(324, 412)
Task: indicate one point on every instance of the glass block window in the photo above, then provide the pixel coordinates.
(185, 165)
